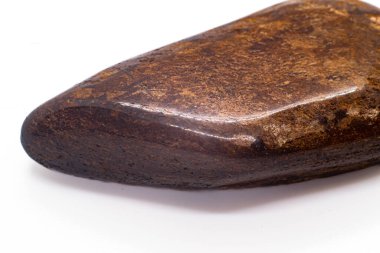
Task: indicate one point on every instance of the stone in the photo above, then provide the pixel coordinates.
(287, 94)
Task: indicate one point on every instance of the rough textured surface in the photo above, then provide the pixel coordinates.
(287, 94)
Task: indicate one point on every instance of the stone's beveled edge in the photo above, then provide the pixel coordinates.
(337, 119)
(66, 143)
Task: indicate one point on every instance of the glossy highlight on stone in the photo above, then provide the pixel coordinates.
(287, 94)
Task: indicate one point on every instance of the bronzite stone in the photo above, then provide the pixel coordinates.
(287, 94)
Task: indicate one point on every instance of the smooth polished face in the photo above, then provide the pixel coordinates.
(250, 101)
(275, 60)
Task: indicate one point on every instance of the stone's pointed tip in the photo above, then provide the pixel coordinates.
(285, 95)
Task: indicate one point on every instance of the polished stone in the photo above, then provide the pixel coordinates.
(287, 94)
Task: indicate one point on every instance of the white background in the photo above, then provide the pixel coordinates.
(48, 46)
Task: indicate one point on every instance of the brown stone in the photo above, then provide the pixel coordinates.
(287, 94)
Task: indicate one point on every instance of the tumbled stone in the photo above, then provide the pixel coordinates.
(288, 94)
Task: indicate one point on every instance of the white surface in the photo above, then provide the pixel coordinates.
(48, 46)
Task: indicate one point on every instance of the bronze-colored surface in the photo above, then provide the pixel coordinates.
(287, 94)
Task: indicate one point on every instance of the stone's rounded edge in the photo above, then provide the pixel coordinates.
(96, 143)
(29, 136)
(25, 137)
(91, 142)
